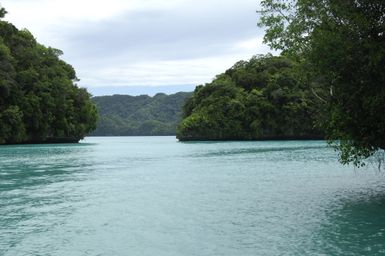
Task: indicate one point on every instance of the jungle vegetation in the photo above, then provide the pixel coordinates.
(342, 46)
(125, 115)
(333, 78)
(263, 98)
(39, 100)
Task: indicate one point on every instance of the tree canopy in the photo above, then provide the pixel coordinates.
(39, 101)
(263, 98)
(342, 45)
(2, 12)
(125, 115)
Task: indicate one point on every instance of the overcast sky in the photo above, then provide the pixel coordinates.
(129, 46)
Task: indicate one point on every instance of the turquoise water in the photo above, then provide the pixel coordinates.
(156, 196)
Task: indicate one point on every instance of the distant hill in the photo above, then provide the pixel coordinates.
(125, 115)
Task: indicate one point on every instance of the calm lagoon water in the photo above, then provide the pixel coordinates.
(156, 196)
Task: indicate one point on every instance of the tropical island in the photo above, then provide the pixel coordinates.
(39, 99)
(328, 80)
(220, 190)
(263, 98)
(125, 115)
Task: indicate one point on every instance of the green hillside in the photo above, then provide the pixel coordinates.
(124, 115)
(39, 100)
(263, 98)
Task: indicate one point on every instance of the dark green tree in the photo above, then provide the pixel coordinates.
(2, 12)
(39, 101)
(342, 45)
(263, 98)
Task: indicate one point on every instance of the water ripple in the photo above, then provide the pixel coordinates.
(155, 196)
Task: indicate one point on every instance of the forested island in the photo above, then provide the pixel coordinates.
(125, 115)
(263, 98)
(39, 100)
(329, 80)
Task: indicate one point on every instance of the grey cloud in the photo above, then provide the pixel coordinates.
(186, 43)
(190, 32)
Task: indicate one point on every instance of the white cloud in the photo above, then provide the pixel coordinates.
(77, 10)
(47, 19)
(143, 42)
(250, 44)
(171, 72)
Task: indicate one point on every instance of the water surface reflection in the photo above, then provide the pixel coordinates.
(354, 226)
(37, 182)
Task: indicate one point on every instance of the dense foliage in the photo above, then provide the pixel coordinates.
(39, 101)
(263, 98)
(126, 115)
(342, 44)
